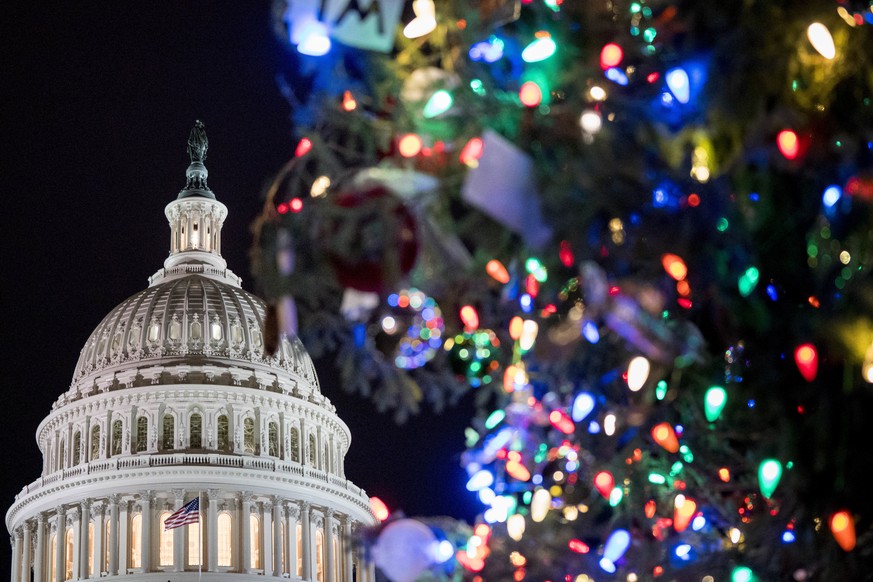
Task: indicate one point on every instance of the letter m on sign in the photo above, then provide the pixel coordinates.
(366, 24)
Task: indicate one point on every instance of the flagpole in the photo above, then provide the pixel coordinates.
(200, 535)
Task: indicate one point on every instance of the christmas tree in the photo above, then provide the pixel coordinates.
(640, 231)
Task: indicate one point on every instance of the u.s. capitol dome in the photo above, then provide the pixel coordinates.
(176, 397)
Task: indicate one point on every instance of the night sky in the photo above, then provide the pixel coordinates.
(99, 100)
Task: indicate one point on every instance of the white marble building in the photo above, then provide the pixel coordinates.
(174, 397)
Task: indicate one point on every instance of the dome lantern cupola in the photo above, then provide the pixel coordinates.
(196, 218)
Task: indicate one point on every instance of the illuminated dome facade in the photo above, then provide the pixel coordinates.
(176, 397)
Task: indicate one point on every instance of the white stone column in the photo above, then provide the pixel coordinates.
(348, 558)
(113, 535)
(78, 522)
(26, 556)
(277, 537)
(146, 554)
(306, 536)
(245, 531)
(39, 557)
(98, 514)
(60, 530)
(15, 575)
(179, 534)
(122, 544)
(329, 573)
(266, 537)
(84, 547)
(211, 531)
(292, 513)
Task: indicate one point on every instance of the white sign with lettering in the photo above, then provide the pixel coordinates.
(366, 24)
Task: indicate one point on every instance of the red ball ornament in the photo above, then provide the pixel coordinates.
(372, 239)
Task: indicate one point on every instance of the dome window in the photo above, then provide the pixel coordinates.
(165, 541)
(133, 336)
(169, 432)
(236, 333)
(117, 430)
(223, 433)
(77, 448)
(255, 542)
(225, 540)
(142, 434)
(249, 435)
(116, 340)
(273, 439)
(215, 331)
(136, 541)
(95, 442)
(68, 554)
(257, 339)
(294, 442)
(175, 330)
(195, 333)
(195, 440)
(154, 331)
(313, 451)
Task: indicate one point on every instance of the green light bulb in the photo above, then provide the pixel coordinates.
(440, 102)
(713, 402)
(494, 418)
(615, 496)
(661, 390)
(769, 473)
(748, 281)
(742, 574)
(539, 50)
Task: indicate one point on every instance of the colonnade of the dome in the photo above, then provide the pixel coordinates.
(239, 533)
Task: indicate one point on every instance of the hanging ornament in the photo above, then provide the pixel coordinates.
(370, 238)
(475, 356)
(410, 329)
(404, 549)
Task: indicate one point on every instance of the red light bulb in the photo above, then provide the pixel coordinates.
(788, 144)
(604, 482)
(806, 358)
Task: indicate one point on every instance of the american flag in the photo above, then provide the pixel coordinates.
(190, 513)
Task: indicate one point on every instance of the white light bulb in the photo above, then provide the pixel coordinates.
(591, 121)
(821, 40)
